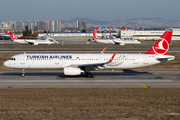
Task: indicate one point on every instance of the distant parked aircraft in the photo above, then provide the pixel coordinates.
(113, 40)
(46, 41)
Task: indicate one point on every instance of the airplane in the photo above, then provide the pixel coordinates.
(46, 41)
(77, 64)
(113, 40)
(119, 41)
(97, 39)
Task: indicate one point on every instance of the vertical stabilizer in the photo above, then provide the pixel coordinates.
(13, 37)
(94, 34)
(161, 47)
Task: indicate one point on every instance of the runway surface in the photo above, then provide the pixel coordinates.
(101, 79)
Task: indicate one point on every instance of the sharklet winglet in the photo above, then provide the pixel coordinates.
(111, 59)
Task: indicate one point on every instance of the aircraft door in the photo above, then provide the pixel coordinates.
(22, 59)
(99, 60)
(145, 61)
(56, 61)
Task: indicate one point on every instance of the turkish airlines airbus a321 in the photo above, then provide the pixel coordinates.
(76, 64)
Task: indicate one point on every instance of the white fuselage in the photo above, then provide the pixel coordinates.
(117, 41)
(40, 42)
(35, 42)
(59, 61)
(127, 41)
(19, 41)
(106, 41)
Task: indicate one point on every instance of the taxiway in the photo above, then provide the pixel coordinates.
(101, 79)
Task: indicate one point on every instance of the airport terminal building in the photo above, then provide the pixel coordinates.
(148, 35)
(127, 34)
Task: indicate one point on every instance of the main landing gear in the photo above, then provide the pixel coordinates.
(89, 75)
(23, 73)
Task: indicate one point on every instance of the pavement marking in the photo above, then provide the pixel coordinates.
(144, 86)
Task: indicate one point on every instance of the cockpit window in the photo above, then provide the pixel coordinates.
(12, 58)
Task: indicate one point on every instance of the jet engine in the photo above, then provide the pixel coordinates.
(35, 43)
(72, 71)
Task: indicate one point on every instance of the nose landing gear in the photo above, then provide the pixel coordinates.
(23, 73)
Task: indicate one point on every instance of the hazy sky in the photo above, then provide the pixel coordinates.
(107, 10)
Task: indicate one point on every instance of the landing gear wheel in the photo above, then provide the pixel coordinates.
(89, 75)
(23, 73)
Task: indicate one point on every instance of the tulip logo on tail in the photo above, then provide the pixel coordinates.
(96, 37)
(13, 36)
(161, 47)
(94, 34)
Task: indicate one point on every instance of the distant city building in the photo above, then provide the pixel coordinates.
(4, 25)
(10, 25)
(79, 24)
(59, 26)
(40, 25)
(24, 25)
(47, 23)
(62, 25)
(52, 24)
(33, 25)
(84, 25)
(17, 25)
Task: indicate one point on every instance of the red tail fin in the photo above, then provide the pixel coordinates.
(24, 39)
(110, 30)
(94, 34)
(13, 37)
(123, 29)
(95, 30)
(161, 47)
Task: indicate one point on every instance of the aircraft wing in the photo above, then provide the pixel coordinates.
(95, 64)
(102, 52)
(54, 40)
(30, 43)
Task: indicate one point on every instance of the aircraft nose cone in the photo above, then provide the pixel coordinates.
(6, 63)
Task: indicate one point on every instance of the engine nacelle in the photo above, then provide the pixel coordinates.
(72, 71)
(35, 43)
(121, 43)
